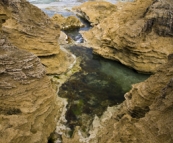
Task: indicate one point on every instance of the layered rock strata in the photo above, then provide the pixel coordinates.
(28, 28)
(29, 107)
(67, 23)
(138, 34)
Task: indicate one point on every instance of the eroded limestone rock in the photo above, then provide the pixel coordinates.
(146, 115)
(138, 34)
(95, 11)
(29, 107)
(28, 28)
(67, 23)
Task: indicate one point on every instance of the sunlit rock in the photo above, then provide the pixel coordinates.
(95, 11)
(138, 34)
(28, 28)
(70, 22)
(29, 106)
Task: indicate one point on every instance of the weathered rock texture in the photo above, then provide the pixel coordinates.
(66, 23)
(138, 34)
(27, 27)
(145, 116)
(94, 12)
(29, 107)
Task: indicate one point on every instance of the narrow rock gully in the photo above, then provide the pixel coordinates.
(100, 82)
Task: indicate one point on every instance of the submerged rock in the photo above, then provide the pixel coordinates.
(28, 28)
(70, 22)
(138, 34)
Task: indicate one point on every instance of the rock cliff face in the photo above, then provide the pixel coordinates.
(28, 28)
(138, 34)
(29, 107)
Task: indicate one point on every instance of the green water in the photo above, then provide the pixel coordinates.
(100, 84)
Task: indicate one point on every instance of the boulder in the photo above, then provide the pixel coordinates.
(66, 23)
(95, 11)
(138, 34)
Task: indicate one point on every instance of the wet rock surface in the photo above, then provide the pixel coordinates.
(138, 34)
(145, 115)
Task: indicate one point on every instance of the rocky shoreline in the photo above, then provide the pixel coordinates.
(138, 34)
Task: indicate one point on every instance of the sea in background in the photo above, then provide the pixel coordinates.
(63, 7)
